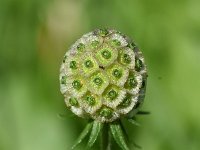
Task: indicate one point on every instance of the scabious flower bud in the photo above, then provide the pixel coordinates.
(103, 76)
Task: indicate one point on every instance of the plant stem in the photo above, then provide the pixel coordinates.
(105, 138)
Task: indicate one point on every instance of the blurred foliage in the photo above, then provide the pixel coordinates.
(34, 35)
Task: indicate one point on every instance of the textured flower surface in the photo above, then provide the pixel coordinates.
(103, 76)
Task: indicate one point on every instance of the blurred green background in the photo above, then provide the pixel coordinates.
(34, 35)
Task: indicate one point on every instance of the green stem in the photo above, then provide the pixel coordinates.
(105, 138)
(109, 141)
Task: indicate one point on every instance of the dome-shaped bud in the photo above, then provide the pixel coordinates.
(103, 76)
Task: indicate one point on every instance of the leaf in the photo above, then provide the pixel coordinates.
(126, 136)
(136, 145)
(134, 122)
(94, 133)
(124, 131)
(143, 113)
(83, 134)
(65, 116)
(118, 135)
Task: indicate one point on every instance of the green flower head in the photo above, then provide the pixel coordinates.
(103, 76)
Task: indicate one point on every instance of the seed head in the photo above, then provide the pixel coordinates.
(103, 76)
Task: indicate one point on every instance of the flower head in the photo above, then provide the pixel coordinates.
(103, 76)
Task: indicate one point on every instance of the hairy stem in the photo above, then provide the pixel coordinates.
(105, 138)
(109, 141)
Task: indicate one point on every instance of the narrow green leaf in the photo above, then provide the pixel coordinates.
(118, 135)
(143, 113)
(134, 122)
(131, 142)
(124, 131)
(65, 116)
(136, 145)
(94, 133)
(83, 134)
